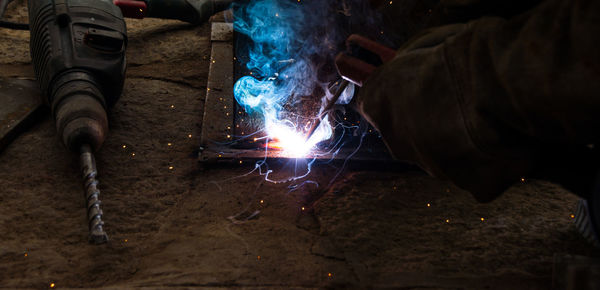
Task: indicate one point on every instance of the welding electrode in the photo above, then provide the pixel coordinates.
(78, 53)
(355, 65)
(327, 109)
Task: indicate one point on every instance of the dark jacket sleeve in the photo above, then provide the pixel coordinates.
(477, 103)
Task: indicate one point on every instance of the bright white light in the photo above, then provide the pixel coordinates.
(294, 143)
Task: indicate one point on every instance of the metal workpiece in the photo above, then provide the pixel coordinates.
(20, 105)
(97, 235)
(218, 118)
(228, 133)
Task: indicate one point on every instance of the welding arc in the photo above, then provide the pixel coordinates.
(328, 108)
(97, 235)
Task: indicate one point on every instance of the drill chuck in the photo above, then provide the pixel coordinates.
(79, 111)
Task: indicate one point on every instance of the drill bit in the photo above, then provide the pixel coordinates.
(327, 108)
(90, 184)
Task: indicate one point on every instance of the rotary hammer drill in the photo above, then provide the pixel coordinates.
(78, 53)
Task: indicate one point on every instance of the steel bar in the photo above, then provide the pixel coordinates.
(328, 108)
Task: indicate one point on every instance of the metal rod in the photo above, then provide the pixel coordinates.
(92, 196)
(328, 108)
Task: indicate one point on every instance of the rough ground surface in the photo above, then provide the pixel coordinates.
(170, 228)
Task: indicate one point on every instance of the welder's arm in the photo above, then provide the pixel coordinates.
(474, 103)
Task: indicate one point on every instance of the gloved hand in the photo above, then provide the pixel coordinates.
(411, 99)
(361, 58)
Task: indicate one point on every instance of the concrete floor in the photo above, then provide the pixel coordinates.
(185, 227)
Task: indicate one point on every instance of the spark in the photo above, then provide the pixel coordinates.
(276, 55)
(281, 71)
(289, 139)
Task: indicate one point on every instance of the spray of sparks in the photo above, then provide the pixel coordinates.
(289, 59)
(281, 69)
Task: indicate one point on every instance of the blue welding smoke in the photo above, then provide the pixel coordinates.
(287, 37)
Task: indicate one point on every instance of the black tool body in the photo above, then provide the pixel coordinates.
(78, 52)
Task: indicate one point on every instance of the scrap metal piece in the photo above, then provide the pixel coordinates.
(224, 154)
(97, 235)
(221, 31)
(217, 122)
(19, 102)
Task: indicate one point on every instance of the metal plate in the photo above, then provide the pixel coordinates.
(217, 121)
(19, 102)
(228, 132)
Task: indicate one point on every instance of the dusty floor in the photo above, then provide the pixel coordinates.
(170, 228)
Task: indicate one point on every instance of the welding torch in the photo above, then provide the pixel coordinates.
(355, 65)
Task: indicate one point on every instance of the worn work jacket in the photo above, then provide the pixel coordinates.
(494, 100)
